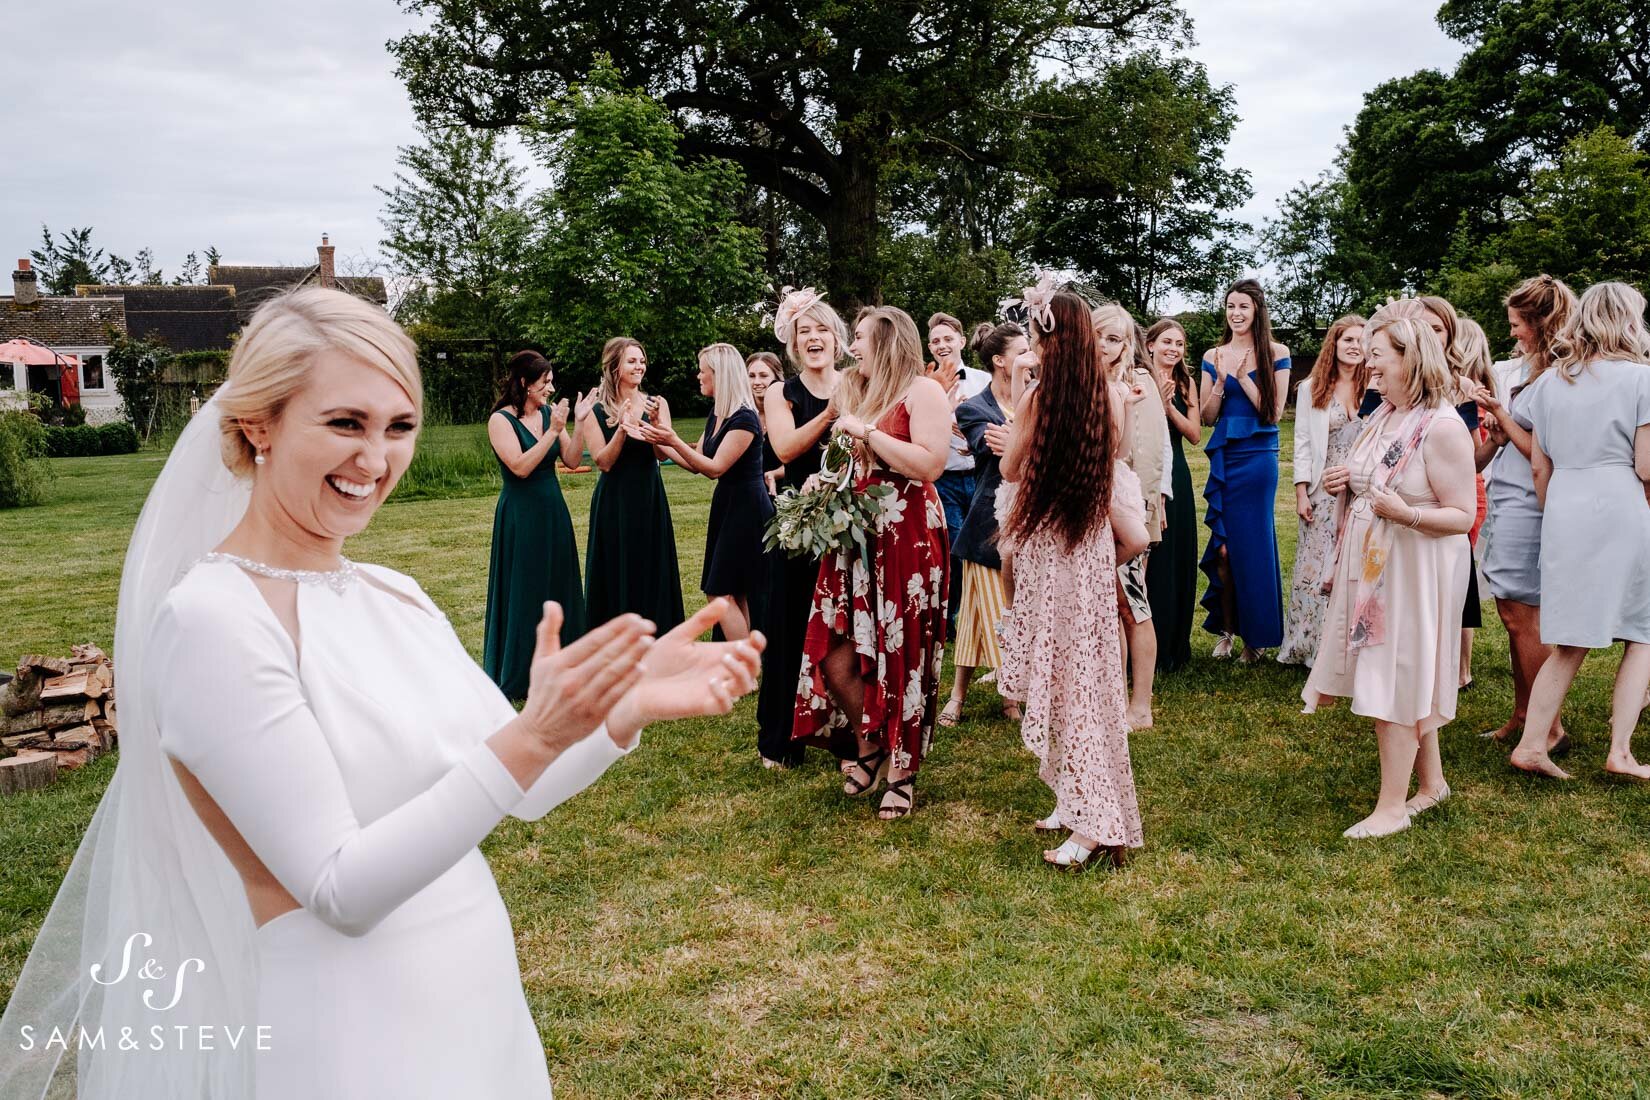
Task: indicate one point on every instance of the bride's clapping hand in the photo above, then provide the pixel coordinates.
(571, 691)
(685, 678)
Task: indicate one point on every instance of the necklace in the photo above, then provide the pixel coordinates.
(336, 579)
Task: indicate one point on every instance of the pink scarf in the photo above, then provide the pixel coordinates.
(1368, 618)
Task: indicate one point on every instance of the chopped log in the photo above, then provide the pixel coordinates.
(51, 666)
(94, 709)
(106, 676)
(27, 772)
(22, 694)
(109, 716)
(64, 687)
(25, 740)
(89, 653)
(106, 733)
(27, 722)
(77, 738)
(63, 715)
(78, 758)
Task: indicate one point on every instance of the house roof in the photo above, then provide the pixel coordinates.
(63, 322)
(184, 318)
(255, 284)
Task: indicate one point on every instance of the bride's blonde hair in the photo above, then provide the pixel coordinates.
(273, 358)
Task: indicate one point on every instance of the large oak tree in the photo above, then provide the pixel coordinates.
(819, 101)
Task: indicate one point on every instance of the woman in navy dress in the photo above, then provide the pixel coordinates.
(730, 452)
(1245, 384)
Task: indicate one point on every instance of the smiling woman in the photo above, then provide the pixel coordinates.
(309, 759)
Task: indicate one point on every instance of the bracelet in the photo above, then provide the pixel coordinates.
(866, 438)
(1415, 524)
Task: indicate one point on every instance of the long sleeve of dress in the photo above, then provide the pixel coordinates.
(245, 730)
(1303, 458)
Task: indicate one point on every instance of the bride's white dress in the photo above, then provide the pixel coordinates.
(354, 765)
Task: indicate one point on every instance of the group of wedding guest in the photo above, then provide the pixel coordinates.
(1383, 600)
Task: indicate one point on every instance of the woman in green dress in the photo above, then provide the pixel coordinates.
(1171, 573)
(630, 563)
(535, 557)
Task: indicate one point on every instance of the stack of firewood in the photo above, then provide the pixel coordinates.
(55, 714)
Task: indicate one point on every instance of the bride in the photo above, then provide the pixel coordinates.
(281, 893)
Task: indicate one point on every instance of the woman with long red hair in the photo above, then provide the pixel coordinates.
(1068, 525)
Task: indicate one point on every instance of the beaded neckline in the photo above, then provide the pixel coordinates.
(336, 579)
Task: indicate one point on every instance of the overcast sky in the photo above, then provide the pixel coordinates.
(256, 127)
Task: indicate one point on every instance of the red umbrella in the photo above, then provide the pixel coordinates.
(35, 355)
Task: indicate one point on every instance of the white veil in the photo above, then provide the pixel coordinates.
(96, 1012)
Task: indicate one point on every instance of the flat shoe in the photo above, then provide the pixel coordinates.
(1360, 831)
(1442, 797)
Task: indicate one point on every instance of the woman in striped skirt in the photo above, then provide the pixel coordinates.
(983, 421)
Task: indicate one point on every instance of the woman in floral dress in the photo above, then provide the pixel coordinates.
(876, 632)
(1327, 421)
(1074, 513)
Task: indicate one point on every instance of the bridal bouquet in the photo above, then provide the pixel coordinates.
(827, 513)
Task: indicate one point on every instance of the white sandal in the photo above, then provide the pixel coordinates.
(1070, 856)
(1223, 648)
(1049, 824)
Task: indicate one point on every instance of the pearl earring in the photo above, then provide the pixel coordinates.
(259, 458)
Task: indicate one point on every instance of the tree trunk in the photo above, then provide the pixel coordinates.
(854, 267)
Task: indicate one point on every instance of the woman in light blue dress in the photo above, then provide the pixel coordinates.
(1591, 460)
(1537, 311)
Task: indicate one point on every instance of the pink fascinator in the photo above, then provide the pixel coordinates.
(1037, 301)
(793, 303)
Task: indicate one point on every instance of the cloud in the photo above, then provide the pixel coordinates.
(1300, 69)
(254, 128)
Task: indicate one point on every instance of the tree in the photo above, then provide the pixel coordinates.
(146, 271)
(455, 222)
(1585, 218)
(1434, 156)
(933, 272)
(635, 241)
(190, 274)
(69, 261)
(1133, 190)
(815, 100)
(1325, 265)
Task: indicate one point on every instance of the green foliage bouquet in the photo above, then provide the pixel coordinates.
(827, 514)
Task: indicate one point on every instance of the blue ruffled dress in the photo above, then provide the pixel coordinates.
(1242, 495)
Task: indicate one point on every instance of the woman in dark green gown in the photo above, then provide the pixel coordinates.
(1171, 572)
(630, 562)
(535, 557)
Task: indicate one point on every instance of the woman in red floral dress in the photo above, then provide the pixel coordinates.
(876, 632)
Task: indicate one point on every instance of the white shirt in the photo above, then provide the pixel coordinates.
(969, 383)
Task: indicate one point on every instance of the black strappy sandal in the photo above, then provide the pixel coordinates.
(904, 789)
(873, 764)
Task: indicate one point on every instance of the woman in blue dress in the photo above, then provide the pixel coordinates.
(730, 453)
(1245, 384)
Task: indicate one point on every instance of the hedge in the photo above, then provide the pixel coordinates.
(91, 439)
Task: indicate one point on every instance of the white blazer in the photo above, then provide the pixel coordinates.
(1311, 438)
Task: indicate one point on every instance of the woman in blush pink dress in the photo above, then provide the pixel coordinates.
(1067, 527)
(1391, 640)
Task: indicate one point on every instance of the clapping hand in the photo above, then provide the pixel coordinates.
(996, 438)
(585, 403)
(571, 691)
(1166, 390)
(558, 416)
(682, 677)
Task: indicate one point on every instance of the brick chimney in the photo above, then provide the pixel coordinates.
(326, 277)
(23, 288)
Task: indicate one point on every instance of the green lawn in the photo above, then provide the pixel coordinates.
(697, 927)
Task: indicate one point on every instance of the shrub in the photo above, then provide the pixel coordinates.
(88, 440)
(24, 472)
(138, 368)
(460, 469)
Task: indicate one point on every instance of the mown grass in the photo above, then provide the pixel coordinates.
(697, 927)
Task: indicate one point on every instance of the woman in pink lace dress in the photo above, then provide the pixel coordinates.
(1071, 520)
